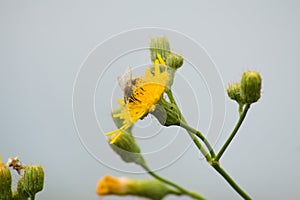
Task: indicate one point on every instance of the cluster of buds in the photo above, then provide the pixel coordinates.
(30, 183)
(161, 46)
(248, 90)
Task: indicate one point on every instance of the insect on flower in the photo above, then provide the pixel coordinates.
(127, 83)
(141, 94)
(15, 163)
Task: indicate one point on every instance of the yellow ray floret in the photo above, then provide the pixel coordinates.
(145, 94)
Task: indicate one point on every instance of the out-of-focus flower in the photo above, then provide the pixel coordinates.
(151, 188)
(5, 182)
(32, 180)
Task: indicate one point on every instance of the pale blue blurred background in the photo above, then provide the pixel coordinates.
(43, 44)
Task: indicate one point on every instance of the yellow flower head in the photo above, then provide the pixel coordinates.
(140, 99)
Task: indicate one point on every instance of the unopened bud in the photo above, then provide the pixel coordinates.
(174, 61)
(250, 86)
(234, 93)
(159, 46)
(125, 146)
(33, 179)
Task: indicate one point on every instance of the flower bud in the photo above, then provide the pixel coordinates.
(234, 93)
(174, 61)
(5, 182)
(125, 146)
(21, 192)
(250, 87)
(33, 180)
(151, 188)
(159, 46)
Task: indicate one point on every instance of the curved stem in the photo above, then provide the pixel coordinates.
(236, 128)
(184, 125)
(214, 159)
(199, 146)
(229, 180)
(179, 188)
(191, 133)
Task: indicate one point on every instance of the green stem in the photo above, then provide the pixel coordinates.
(195, 140)
(236, 128)
(175, 192)
(171, 97)
(184, 125)
(241, 108)
(199, 146)
(214, 162)
(229, 180)
(179, 188)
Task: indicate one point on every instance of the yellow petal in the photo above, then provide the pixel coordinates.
(116, 137)
(161, 61)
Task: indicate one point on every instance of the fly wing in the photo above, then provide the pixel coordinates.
(125, 79)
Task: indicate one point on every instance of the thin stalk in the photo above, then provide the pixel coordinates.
(214, 161)
(170, 96)
(179, 188)
(184, 125)
(236, 128)
(197, 143)
(199, 146)
(229, 180)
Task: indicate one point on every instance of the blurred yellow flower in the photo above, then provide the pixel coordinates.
(112, 185)
(150, 188)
